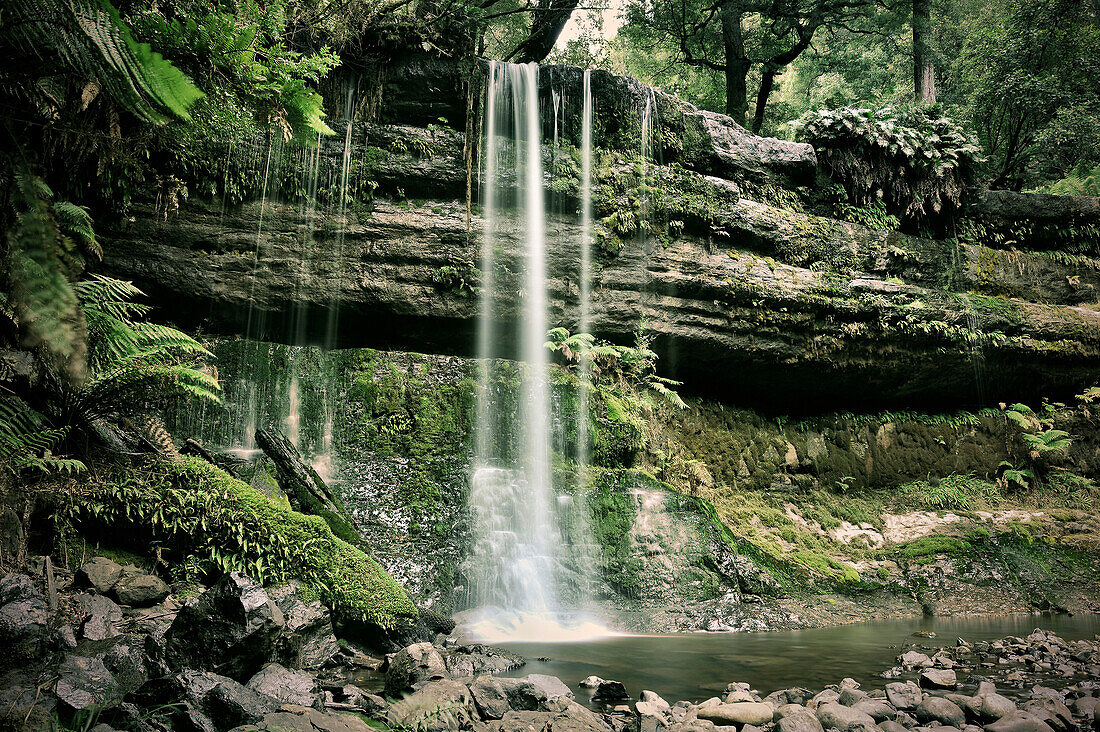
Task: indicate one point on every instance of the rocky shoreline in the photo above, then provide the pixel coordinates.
(111, 648)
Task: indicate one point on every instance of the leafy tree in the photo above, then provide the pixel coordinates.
(737, 38)
(1027, 75)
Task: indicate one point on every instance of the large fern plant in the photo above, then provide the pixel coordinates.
(134, 368)
(917, 163)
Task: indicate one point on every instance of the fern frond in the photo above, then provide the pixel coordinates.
(42, 299)
(89, 39)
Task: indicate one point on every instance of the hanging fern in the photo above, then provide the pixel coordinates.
(28, 441)
(39, 262)
(87, 38)
(918, 164)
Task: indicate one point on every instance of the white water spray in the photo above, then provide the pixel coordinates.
(515, 563)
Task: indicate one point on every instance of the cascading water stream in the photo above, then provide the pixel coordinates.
(584, 324)
(516, 562)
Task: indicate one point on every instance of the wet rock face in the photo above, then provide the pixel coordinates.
(232, 629)
(726, 307)
(24, 620)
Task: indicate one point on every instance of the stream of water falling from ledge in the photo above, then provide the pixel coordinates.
(518, 554)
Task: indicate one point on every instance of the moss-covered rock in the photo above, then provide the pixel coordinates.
(210, 522)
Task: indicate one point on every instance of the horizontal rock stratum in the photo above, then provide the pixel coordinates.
(746, 297)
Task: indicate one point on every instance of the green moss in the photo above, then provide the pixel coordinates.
(828, 566)
(194, 510)
(932, 545)
(612, 511)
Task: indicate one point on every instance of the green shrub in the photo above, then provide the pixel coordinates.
(197, 513)
(917, 163)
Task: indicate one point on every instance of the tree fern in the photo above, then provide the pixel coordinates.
(87, 38)
(27, 440)
(42, 300)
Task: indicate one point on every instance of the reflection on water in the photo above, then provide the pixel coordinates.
(697, 666)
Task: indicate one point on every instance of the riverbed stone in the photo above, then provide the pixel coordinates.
(286, 685)
(938, 709)
(850, 696)
(890, 725)
(915, 659)
(652, 717)
(590, 682)
(1053, 712)
(231, 628)
(804, 721)
(435, 707)
(1018, 721)
(795, 695)
(99, 573)
(737, 713)
(936, 678)
(138, 588)
(610, 691)
(875, 708)
(837, 716)
(292, 718)
(904, 695)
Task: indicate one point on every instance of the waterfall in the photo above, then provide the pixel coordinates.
(516, 564)
(584, 324)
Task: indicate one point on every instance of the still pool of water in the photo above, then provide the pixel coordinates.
(696, 666)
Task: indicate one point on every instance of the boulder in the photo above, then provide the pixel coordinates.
(231, 629)
(24, 618)
(937, 709)
(495, 697)
(1018, 721)
(737, 713)
(138, 588)
(414, 665)
(805, 721)
(97, 616)
(652, 716)
(85, 684)
(936, 678)
(205, 701)
(876, 709)
(1053, 712)
(99, 573)
(292, 718)
(610, 691)
(476, 658)
(914, 659)
(490, 697)
(308, 640)
(590, 682)
(904, 695)
(891, 726)
(789, 696)
(286, 686)
(435, 707)
(837, 716)
(850, 696)
(995, 706)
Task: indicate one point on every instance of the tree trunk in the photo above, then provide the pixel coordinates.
(767, 81)
(549, 20)
(297, 477)
(737, 66)
(924, 76)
